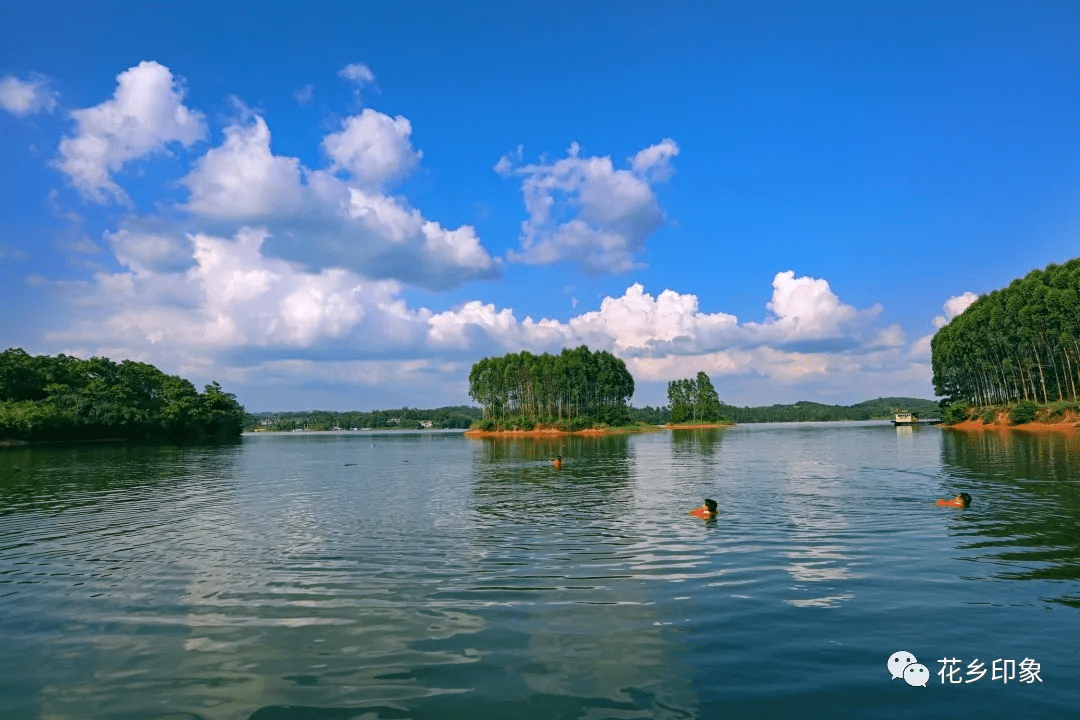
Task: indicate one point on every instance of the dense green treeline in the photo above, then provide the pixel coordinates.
(578, 387)
(649, 414)
(460, 416)
(65, 398)
(694, 399)
(457, 416)
(1020, 343)
(879, 409)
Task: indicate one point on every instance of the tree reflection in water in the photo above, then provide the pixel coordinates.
(1029, 509)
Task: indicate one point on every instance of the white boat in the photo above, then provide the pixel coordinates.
(911, 418)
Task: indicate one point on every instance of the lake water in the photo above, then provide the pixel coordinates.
(432, 576)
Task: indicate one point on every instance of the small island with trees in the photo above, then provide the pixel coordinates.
(575, 391)
(61, 398)
(580, 391)
(694, 404)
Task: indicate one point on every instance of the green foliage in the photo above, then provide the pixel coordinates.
(456, 416)
(1056, 411)
(65, 398)
(954, 413)
(803, 411)
(575, 383)
(574, 424)
(1020, 343)
(694, 399)
(1023, 412)
(989, 417)
(650, 415)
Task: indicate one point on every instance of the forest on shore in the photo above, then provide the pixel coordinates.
(805, 411)
(44, 397)
(406, 418)
(1017, 346)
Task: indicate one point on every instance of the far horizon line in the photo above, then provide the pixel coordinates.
(640, 407)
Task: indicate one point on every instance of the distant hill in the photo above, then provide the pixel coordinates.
(879, 409)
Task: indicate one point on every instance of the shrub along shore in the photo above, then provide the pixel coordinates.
(1062, 415)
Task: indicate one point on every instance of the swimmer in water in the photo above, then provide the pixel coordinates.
(707, 511)
(557, 462)
(962, 500)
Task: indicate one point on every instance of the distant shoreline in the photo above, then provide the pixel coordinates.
(697, 426)
(15, 442)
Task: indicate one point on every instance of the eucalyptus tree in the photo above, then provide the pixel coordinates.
(1019, 343)
(576, 383)
(693, 399)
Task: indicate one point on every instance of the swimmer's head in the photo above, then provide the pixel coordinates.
(710, 505)
(964, 498)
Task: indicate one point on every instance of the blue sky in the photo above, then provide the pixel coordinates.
(344, 207)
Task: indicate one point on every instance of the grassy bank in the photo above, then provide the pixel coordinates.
(698, 424)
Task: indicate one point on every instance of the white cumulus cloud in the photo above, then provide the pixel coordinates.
(806, 309)
(233, 297)
(584, 210)
(242, 180)
(20, 97)
(147, 252)
(954, 306)
(374, 148)
(654, 162)
(637, 322)
(359, 75)
(671, 324)
(145, 114)
(320, 220)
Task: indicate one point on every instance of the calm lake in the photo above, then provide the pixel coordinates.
(327, 576)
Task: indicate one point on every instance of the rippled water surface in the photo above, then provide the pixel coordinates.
(428, 575)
